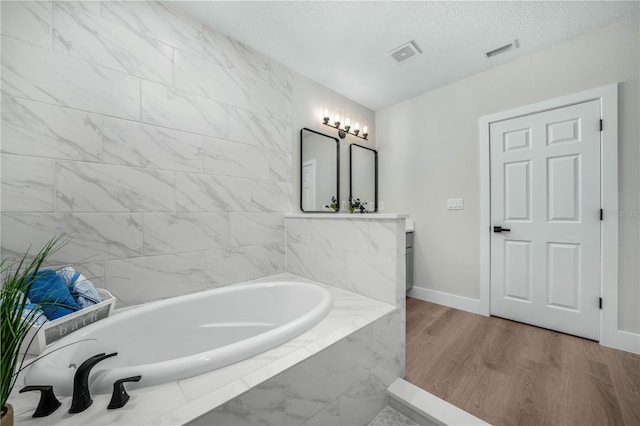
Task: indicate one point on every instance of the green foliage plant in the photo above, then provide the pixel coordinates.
(17, 278)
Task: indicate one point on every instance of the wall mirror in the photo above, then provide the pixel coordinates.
(319, 172)
(363, 175)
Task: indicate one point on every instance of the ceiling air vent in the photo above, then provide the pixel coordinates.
(405, 52)
(513, 45)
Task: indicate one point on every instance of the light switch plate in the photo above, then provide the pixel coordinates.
(455, 204)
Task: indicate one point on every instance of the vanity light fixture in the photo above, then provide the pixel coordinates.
(347, 128)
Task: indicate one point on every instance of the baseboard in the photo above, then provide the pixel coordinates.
(446, 299)
(429, 408)
(623, 340)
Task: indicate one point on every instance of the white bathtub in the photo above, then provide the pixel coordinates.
(185, 336)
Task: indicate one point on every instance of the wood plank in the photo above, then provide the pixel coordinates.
(509, 373)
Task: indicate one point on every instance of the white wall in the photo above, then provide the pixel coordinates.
(429, 152)
(310, 99)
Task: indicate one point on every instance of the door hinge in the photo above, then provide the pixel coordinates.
(600, 124)
(600, 302)
(601, 214)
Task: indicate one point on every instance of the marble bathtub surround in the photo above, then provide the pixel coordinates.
(364, 254)
(150, 139)
(272, 388)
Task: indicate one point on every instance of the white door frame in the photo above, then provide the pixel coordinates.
(608, 97)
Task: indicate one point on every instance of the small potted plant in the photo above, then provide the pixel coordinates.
(356, 204)
(16, 318)
(334, 204)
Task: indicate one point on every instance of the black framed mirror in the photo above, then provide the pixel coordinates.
(363, 175)
(319, 172)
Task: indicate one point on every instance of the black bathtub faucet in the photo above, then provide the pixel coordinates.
(81, 396)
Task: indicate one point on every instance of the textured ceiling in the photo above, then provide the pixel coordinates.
(344, 45)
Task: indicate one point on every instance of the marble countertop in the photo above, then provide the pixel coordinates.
(177, 403)
(365, 216)
(409, 223)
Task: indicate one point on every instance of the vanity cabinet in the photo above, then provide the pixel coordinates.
(409, 259)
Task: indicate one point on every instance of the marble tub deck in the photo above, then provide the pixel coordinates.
(177, 403)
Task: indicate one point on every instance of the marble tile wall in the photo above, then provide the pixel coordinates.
(366, 256)
(161, 147)
(344, 384)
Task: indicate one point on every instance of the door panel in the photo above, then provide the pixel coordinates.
(564, 276)
(564, 177)
(545, 189)
(517, 270)
(517, 190)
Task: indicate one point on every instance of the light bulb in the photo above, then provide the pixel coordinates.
(347, 122)
(356, 126)
(364, 129)
(336, 118)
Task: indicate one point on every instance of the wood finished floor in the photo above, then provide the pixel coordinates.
(508, 373)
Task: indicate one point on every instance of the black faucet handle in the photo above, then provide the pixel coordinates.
(48, 401)
(120, 396)
(81, 396)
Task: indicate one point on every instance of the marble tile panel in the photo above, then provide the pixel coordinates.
(157, 20)
(401, 283)
(27, 184)
(332, 372)
(168, 107)
(87, 36)
(329, 415)
(144, 279)
(184, 232)
(238, 264)
(185, 414)
(389, 347)
(43, 130)
(253, 370)
(349, 312)
(280, 165)
(262, 405)
(362, 236)
(141, 145)
(269, 100)
(258, 129)
(88, 187)
(401, 238)
(28, 21)
(277, 366)
(256, 228)
(360, 404)
(271, 196)
(93, 237)
(68, 81)
(233, 54)
(228, 158)
(197, 386)
(372, 276)
(204, 77)
(207, 193)
(81, 6)
(318, 263)
(281, 77)
(388, 336)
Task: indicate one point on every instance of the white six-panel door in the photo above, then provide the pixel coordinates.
(545, 194)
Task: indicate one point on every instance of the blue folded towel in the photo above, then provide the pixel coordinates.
(51, 293)
(38, 318)
(82, 290)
